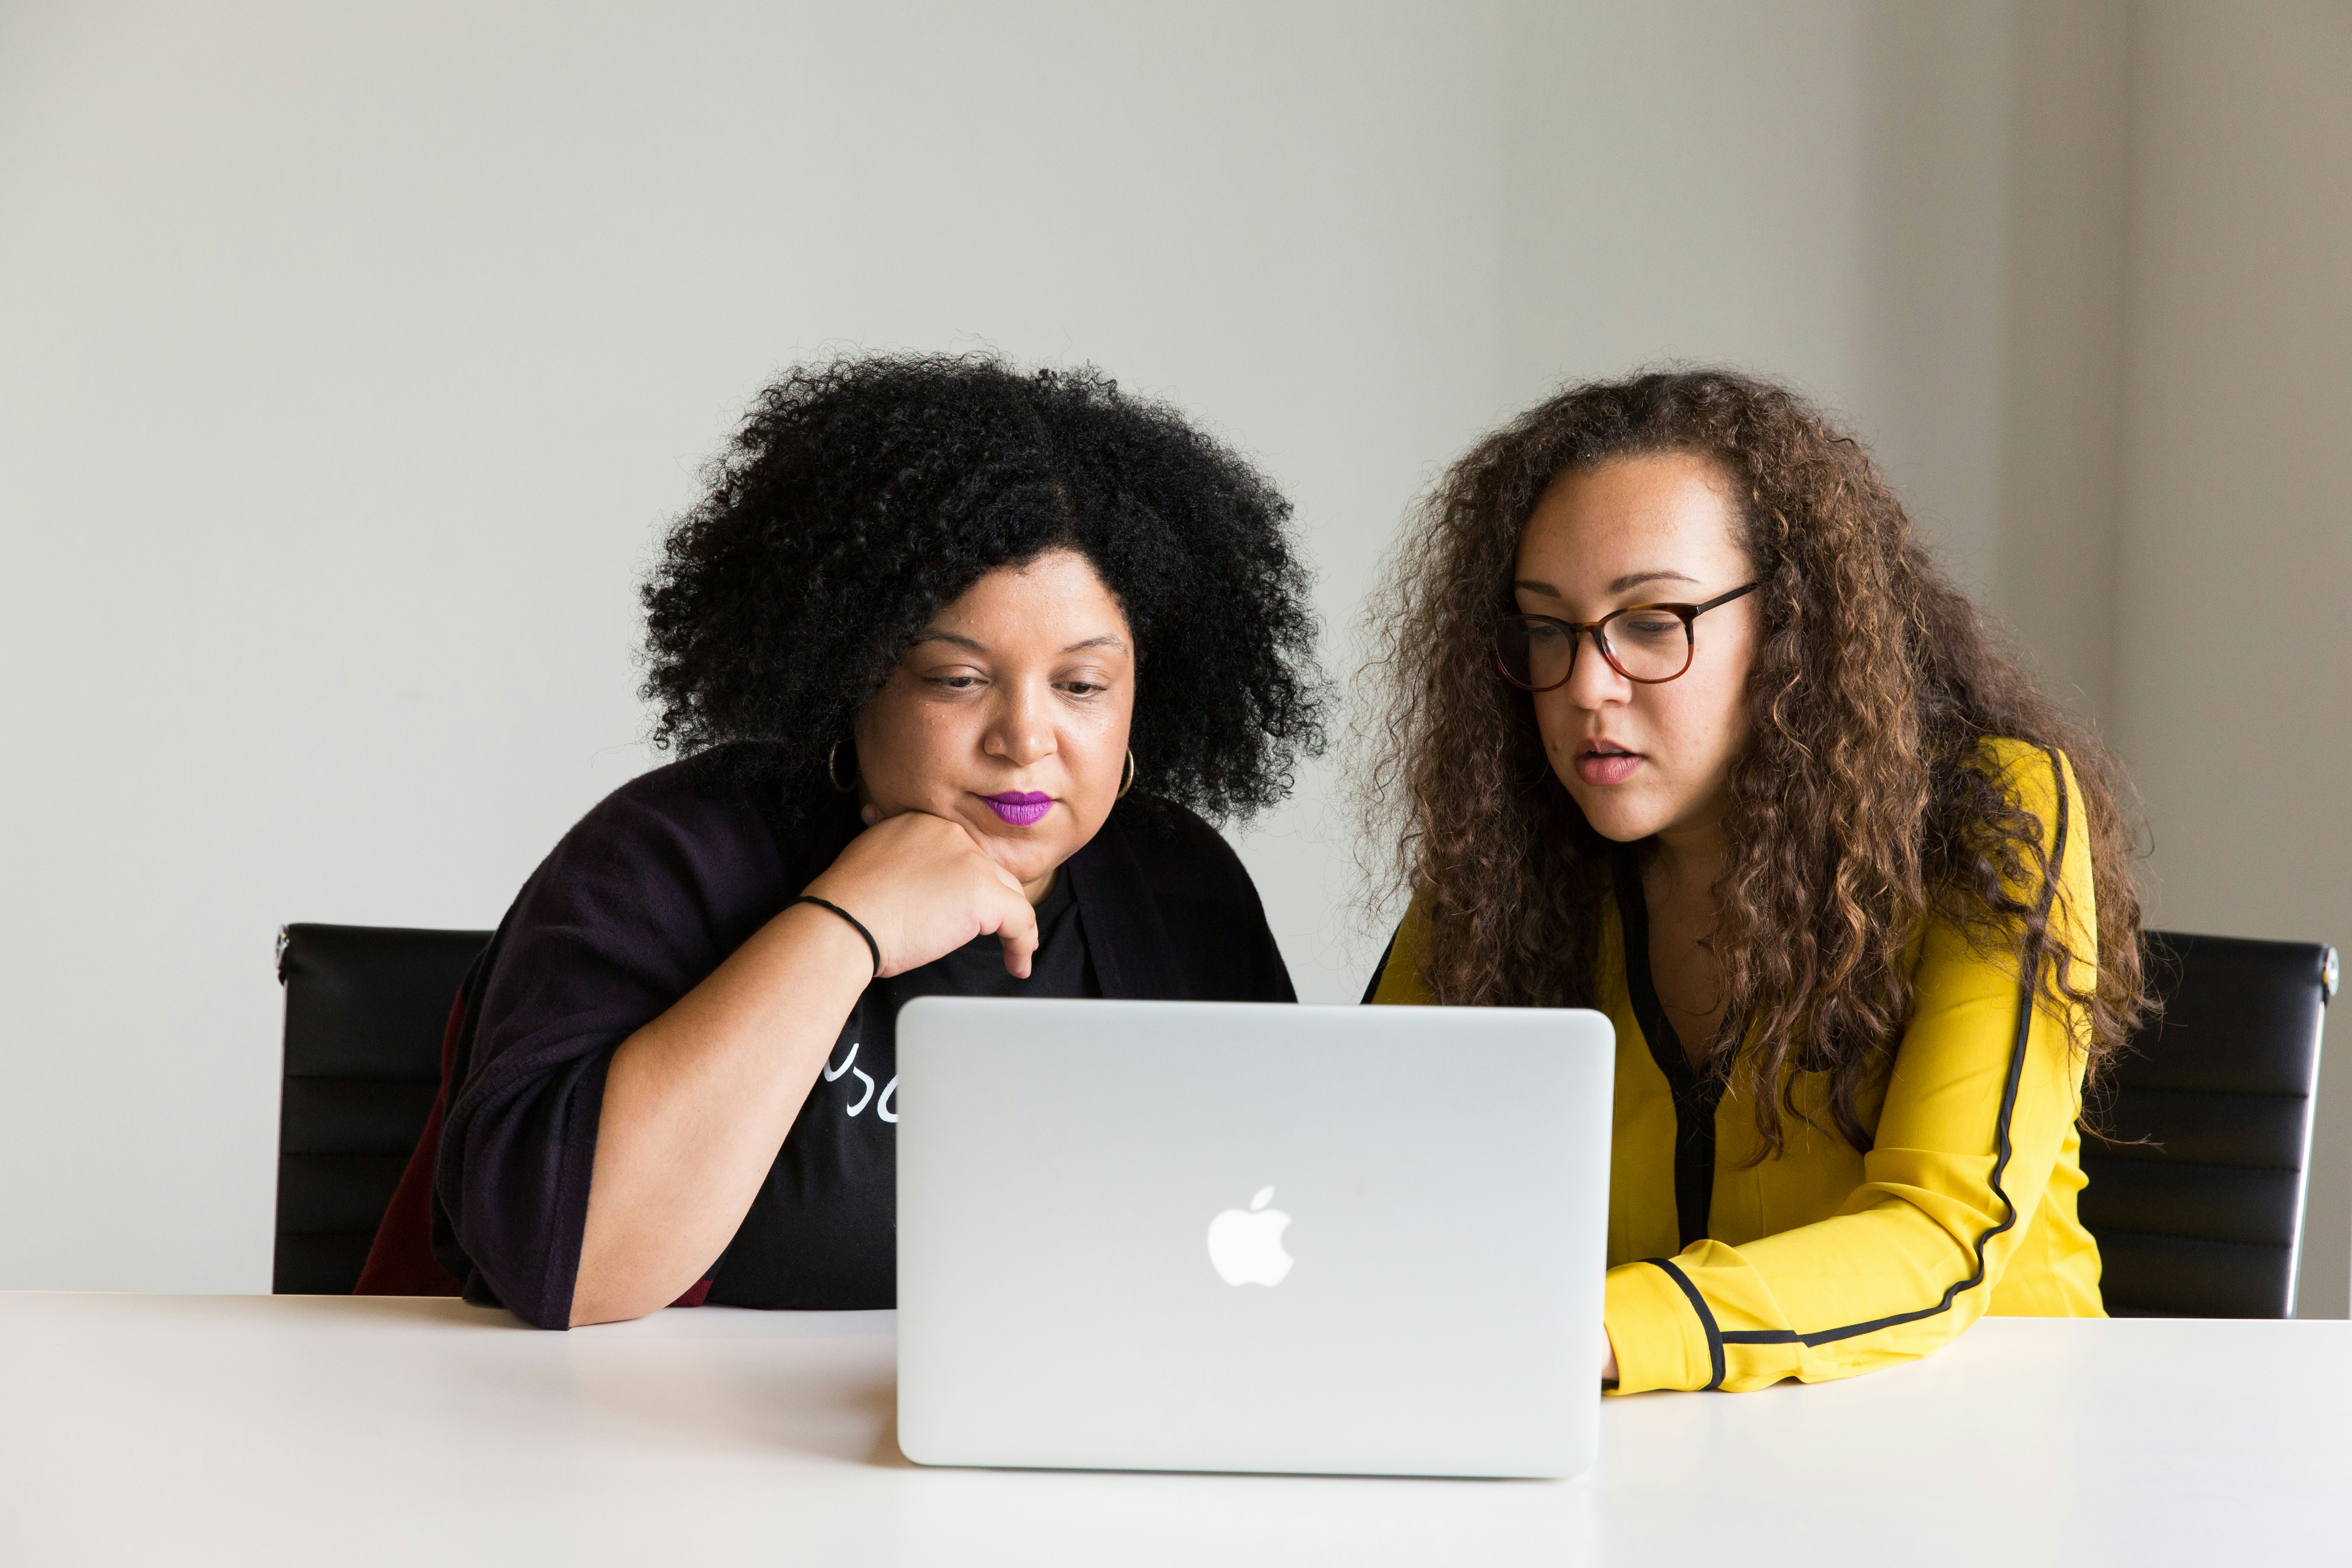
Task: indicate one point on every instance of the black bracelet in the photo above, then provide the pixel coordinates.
(871, 945)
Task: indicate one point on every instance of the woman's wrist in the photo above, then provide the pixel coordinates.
(834, 931)
(872, 948)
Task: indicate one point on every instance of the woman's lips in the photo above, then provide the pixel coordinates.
(1605, 762)
(1021, 807)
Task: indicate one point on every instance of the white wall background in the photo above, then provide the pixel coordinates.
(351, 365)
(353, 361)
(2237, 501)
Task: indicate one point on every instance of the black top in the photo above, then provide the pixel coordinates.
(833, 1192)
(649, 894)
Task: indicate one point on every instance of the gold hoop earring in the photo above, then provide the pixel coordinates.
(1127, 781)
(833, 777)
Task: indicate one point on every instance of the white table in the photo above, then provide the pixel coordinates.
(153, 1429)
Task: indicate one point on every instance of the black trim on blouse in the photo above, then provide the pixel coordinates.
(1695, 1094)
(1715, 1336)
(1379, 970)
(2030, 970)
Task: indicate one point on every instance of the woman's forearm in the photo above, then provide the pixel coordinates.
(696, 1103)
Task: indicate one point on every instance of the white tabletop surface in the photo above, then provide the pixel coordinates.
(339, 1430)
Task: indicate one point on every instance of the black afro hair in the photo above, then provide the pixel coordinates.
(861, 496)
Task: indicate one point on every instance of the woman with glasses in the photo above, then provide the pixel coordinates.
(959, 658)
(1686, 726)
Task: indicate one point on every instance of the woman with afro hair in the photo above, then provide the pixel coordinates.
(958, 661)
(1687, 727)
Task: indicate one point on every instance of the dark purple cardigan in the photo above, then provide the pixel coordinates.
(652, 891)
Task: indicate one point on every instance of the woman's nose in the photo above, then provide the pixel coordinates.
(1022, 731)
(1593, 680)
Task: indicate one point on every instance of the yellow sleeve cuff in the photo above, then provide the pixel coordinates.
(1657, 1337)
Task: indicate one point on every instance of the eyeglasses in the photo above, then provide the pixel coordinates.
(1650, 644)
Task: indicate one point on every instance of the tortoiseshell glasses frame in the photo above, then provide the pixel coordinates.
(1654, 647)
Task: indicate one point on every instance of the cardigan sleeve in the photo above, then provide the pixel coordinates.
(639, 903)
(1982, 1093)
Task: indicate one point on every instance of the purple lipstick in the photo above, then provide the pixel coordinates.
(1021, 807)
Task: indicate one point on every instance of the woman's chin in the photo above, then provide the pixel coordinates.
(1612, 816)
(1030, 860)
(1037, 880)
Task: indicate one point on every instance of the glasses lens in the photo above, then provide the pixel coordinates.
(1535, 654)
(1650, 645)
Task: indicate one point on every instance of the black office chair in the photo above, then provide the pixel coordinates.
(365, 1008)
(2195, 1189)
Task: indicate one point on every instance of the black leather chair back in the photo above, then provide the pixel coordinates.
(366, 1007)
(2195, 1189)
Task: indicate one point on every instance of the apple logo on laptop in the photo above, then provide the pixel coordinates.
(1246, 1246)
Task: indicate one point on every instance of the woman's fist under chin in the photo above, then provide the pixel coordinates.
(924, 887)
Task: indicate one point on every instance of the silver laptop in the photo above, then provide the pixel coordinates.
(1173, 1236)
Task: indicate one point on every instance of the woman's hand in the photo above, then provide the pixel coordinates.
(698, 1101)
(924, 887)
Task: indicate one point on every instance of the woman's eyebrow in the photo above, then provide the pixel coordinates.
(1635, 579)
(933, 634)
(1631, 579)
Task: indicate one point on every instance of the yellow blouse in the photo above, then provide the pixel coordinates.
(1823, 1262)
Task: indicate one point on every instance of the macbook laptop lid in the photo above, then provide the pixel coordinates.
(1251, 1236)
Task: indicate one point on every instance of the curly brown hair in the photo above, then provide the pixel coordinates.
(1855, 813)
